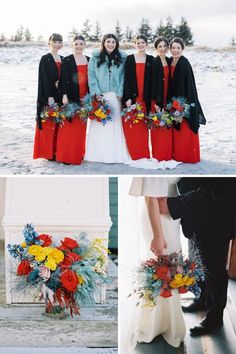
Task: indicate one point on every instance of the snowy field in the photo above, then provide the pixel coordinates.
(215, 73)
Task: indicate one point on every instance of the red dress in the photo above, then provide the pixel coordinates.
(137, 134)
(161, 137)
(185, 141)
(72, 135)
(46, 138)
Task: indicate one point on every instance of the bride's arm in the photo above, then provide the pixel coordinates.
(158, 243)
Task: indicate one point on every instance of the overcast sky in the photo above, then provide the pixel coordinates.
(213, 22)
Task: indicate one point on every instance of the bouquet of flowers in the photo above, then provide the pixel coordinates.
(100, 110)
(68, 274)
(85, 108)
(160, 119)
(178, 109)
(133, 114)
(167, 275)
(52, 112)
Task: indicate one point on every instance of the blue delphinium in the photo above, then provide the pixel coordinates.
(30, 235)
(16, 251)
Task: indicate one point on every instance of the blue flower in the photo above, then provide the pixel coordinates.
(16, 251)
(30, 235)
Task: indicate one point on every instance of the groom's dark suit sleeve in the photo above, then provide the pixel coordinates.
(203, 198)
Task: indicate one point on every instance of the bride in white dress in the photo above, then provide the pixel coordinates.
(143, 324)
(106, 77)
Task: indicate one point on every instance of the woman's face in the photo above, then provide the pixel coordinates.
(110, 45)
(140, 45)
(78, 46)
(55, 45)
(176, 50)
(162, 48)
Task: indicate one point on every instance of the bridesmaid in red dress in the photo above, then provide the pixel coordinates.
(48, 94)
(74, 86)
(182, 84)
(161, 137)
(137, 88)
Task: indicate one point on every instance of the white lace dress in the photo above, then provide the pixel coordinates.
(143, 324)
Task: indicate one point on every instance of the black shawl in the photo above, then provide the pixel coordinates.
(69, 79)
(183, 85)
(130, 84)
(158, 80)
(47, 76)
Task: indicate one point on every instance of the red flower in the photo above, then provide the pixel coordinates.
(47, 240)
(163, 273)
(24, 268)
(182, 290)
(192, 266)
(69, 259)
(176, 105)
(166, 293)
(69, 243)
(69, 280)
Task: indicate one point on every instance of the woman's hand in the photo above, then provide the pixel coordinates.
(51, 101)
(65, 100)
(128, 103)
(157, 108)
(57, 83)
(158, 246)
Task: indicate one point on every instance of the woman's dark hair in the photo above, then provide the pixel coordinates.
(115, 55)
(140, 36)
(159, 40)
(177, 40)
(78, 37)
(55, 37)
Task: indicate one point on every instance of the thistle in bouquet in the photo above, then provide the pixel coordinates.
(68, 111)
(100, 111)
(67, 275)
(179, 109)
(160, 119)
(52, 112)
(165, 276)
(134, 114)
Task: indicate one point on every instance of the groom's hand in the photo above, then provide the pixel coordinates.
(163, 206)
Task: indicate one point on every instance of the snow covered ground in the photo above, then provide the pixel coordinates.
(215, 73)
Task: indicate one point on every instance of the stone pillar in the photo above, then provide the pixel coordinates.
(60, 206)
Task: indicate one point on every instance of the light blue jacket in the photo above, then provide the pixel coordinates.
(99, 78)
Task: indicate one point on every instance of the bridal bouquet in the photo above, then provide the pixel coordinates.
(178, 109)
(67, 274)
(68, 111)
(160, 119)
(167, 275)
(52, 112)
(133, 114)
(100, 111)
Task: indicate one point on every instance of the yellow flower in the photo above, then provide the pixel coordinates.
(47, 250)
(188, 280)
(138, 107)
(140, 115)
(56, 256)
(155, 277)
(81, 279)
(54, 114)
(34, 250)
(136, 121)
(23, 245)
(177, 282)
(154, 118)
(50, 264)
(40, 257)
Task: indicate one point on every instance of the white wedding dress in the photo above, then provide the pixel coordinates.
(106, 143)
(143, 324)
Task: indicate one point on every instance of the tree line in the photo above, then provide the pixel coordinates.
(93, 33)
